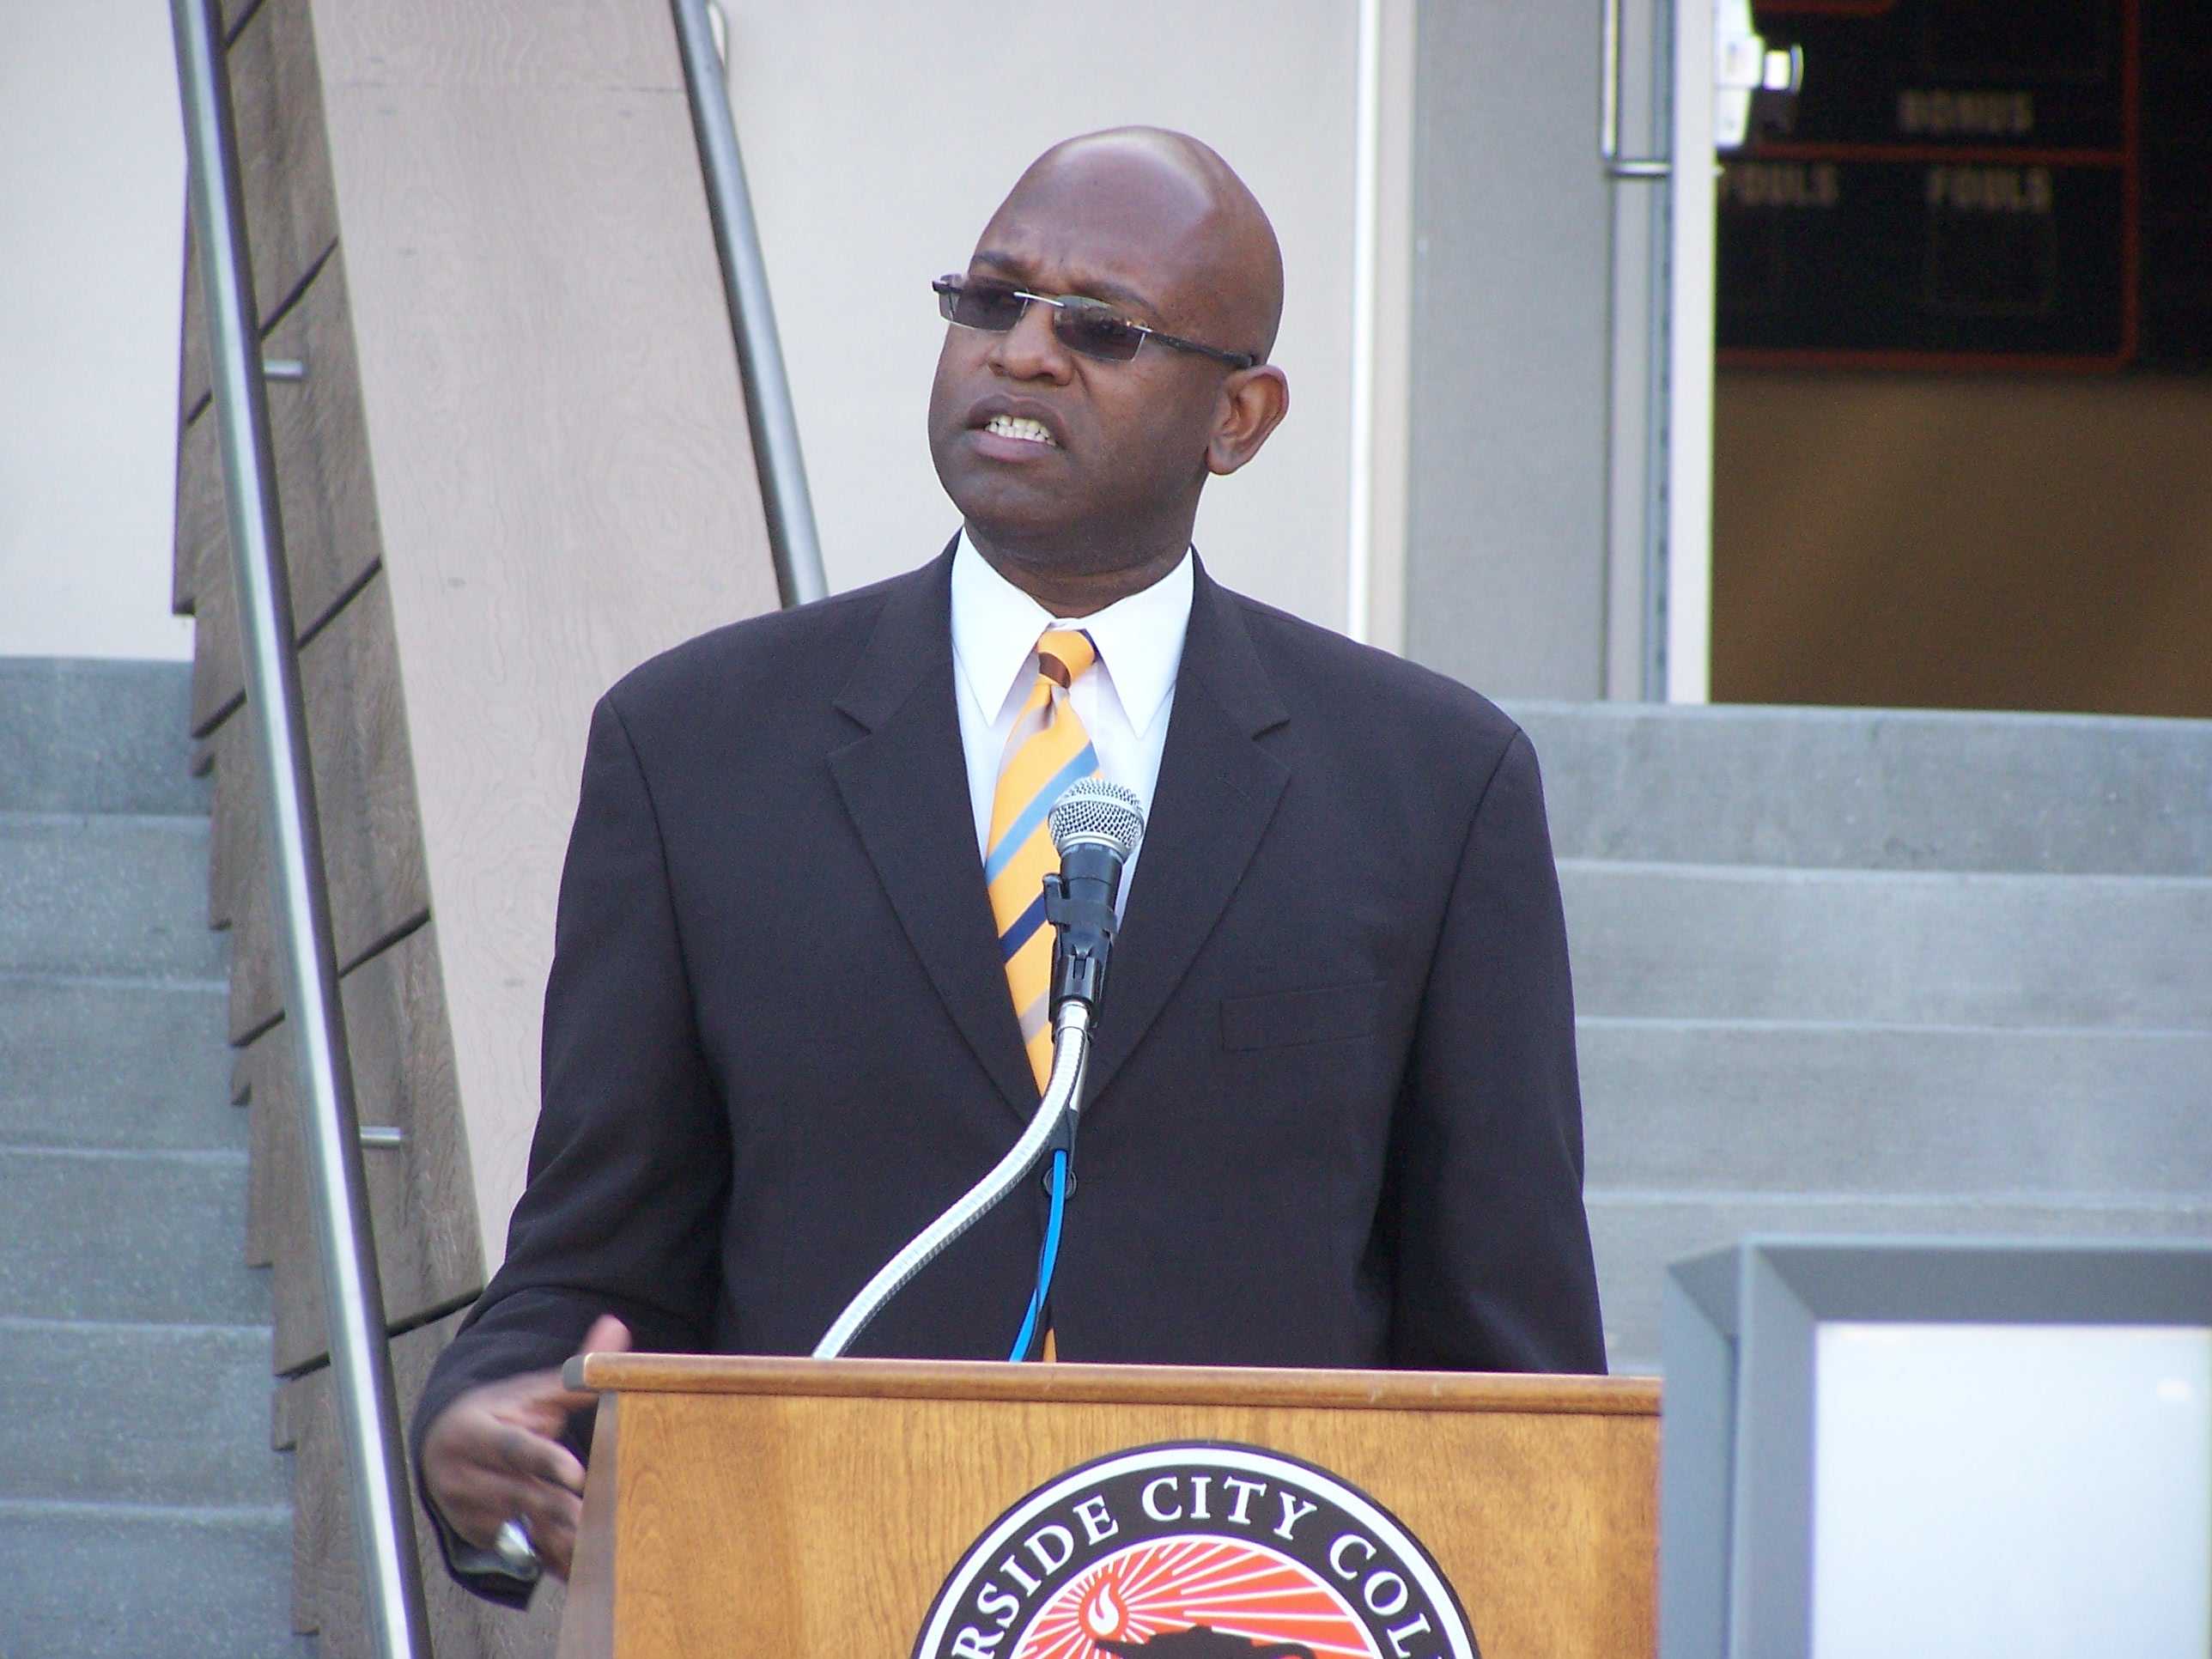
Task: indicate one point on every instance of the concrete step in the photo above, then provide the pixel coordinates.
(87, 735)
(141, 1510)
(108, 894)
(1744, 942)
(128, 1236)
(1853, 788)
(1637, 1234)
(82, 1581)
(154, 1414)
(1898, 1110)
(115, 1063)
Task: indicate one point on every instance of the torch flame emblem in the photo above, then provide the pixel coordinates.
(1102, 1610)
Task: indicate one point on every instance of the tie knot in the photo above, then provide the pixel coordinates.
(1063, 655)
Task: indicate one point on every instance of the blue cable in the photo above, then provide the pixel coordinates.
(1046, 1259)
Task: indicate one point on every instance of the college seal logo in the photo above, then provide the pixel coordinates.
(1196, 1550)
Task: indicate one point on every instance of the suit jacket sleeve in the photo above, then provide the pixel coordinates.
(629, 1167)
(1484, 1206)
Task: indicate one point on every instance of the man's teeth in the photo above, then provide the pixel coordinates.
(1015, 426)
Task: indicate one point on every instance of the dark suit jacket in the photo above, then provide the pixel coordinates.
(1333, 1117)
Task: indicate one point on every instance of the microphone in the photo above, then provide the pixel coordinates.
(1096, 826)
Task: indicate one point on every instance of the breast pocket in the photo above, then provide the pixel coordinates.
(1329, 1013)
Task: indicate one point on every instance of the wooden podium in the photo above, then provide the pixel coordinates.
(805, 1509)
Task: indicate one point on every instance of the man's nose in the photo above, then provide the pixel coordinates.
(1030, 350)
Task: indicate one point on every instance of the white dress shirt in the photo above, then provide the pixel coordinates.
(1123, 702)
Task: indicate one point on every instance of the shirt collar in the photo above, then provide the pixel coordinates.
(1140, 638)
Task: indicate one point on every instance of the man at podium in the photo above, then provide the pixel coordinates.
(794, 1007)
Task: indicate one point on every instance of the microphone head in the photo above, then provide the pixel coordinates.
(1092, 813)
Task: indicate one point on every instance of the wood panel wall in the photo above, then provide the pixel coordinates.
(518, 465)
(326, 1586)
(1964, 541)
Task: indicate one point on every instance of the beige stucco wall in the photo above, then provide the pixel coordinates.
(878, 139)
(92, 201)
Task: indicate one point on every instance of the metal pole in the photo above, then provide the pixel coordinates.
(1608, 105)
(1366, 260)
(1658, 336)
(784, 498)
(1659, 368)
(1690, 227)
(353, 1299)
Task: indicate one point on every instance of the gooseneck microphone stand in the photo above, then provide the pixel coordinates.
(1063, 1096)
(1096, 826)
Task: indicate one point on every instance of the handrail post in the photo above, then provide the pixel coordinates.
(785, 500)
(1609, 157)
(353, 1298)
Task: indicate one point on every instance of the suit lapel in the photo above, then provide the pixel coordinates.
(905, 783)
(1217, 792)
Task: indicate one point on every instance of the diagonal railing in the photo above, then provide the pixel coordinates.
(785, 500)
(353, 1297)
(397, 1622)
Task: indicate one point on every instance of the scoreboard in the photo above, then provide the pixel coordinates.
(1962, 185)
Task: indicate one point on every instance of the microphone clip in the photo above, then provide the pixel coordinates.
(1063, 1140)
(1081, 912)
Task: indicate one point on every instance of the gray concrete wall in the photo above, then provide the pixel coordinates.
(1505, 576)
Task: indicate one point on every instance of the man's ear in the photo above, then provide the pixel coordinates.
(1253, 403)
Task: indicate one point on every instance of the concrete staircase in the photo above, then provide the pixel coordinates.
(141, 1510)
(1838, 972)
(1844, 971)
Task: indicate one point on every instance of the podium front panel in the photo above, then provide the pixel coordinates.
(773, 1521)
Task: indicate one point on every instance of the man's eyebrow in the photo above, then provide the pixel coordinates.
(1098, 288)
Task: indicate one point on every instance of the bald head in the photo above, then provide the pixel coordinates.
(1175, 198)
(1078, 466)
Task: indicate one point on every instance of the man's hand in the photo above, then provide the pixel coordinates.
(493, 1455)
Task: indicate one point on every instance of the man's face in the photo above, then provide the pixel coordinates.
(1122, 451)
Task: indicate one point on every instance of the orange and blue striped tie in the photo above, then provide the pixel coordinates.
(1047, 750)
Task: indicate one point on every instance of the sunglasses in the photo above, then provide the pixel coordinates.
(1084, 326)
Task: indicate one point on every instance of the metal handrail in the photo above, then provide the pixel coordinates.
(1609, 157)
(785, 500)
(353, 1297)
